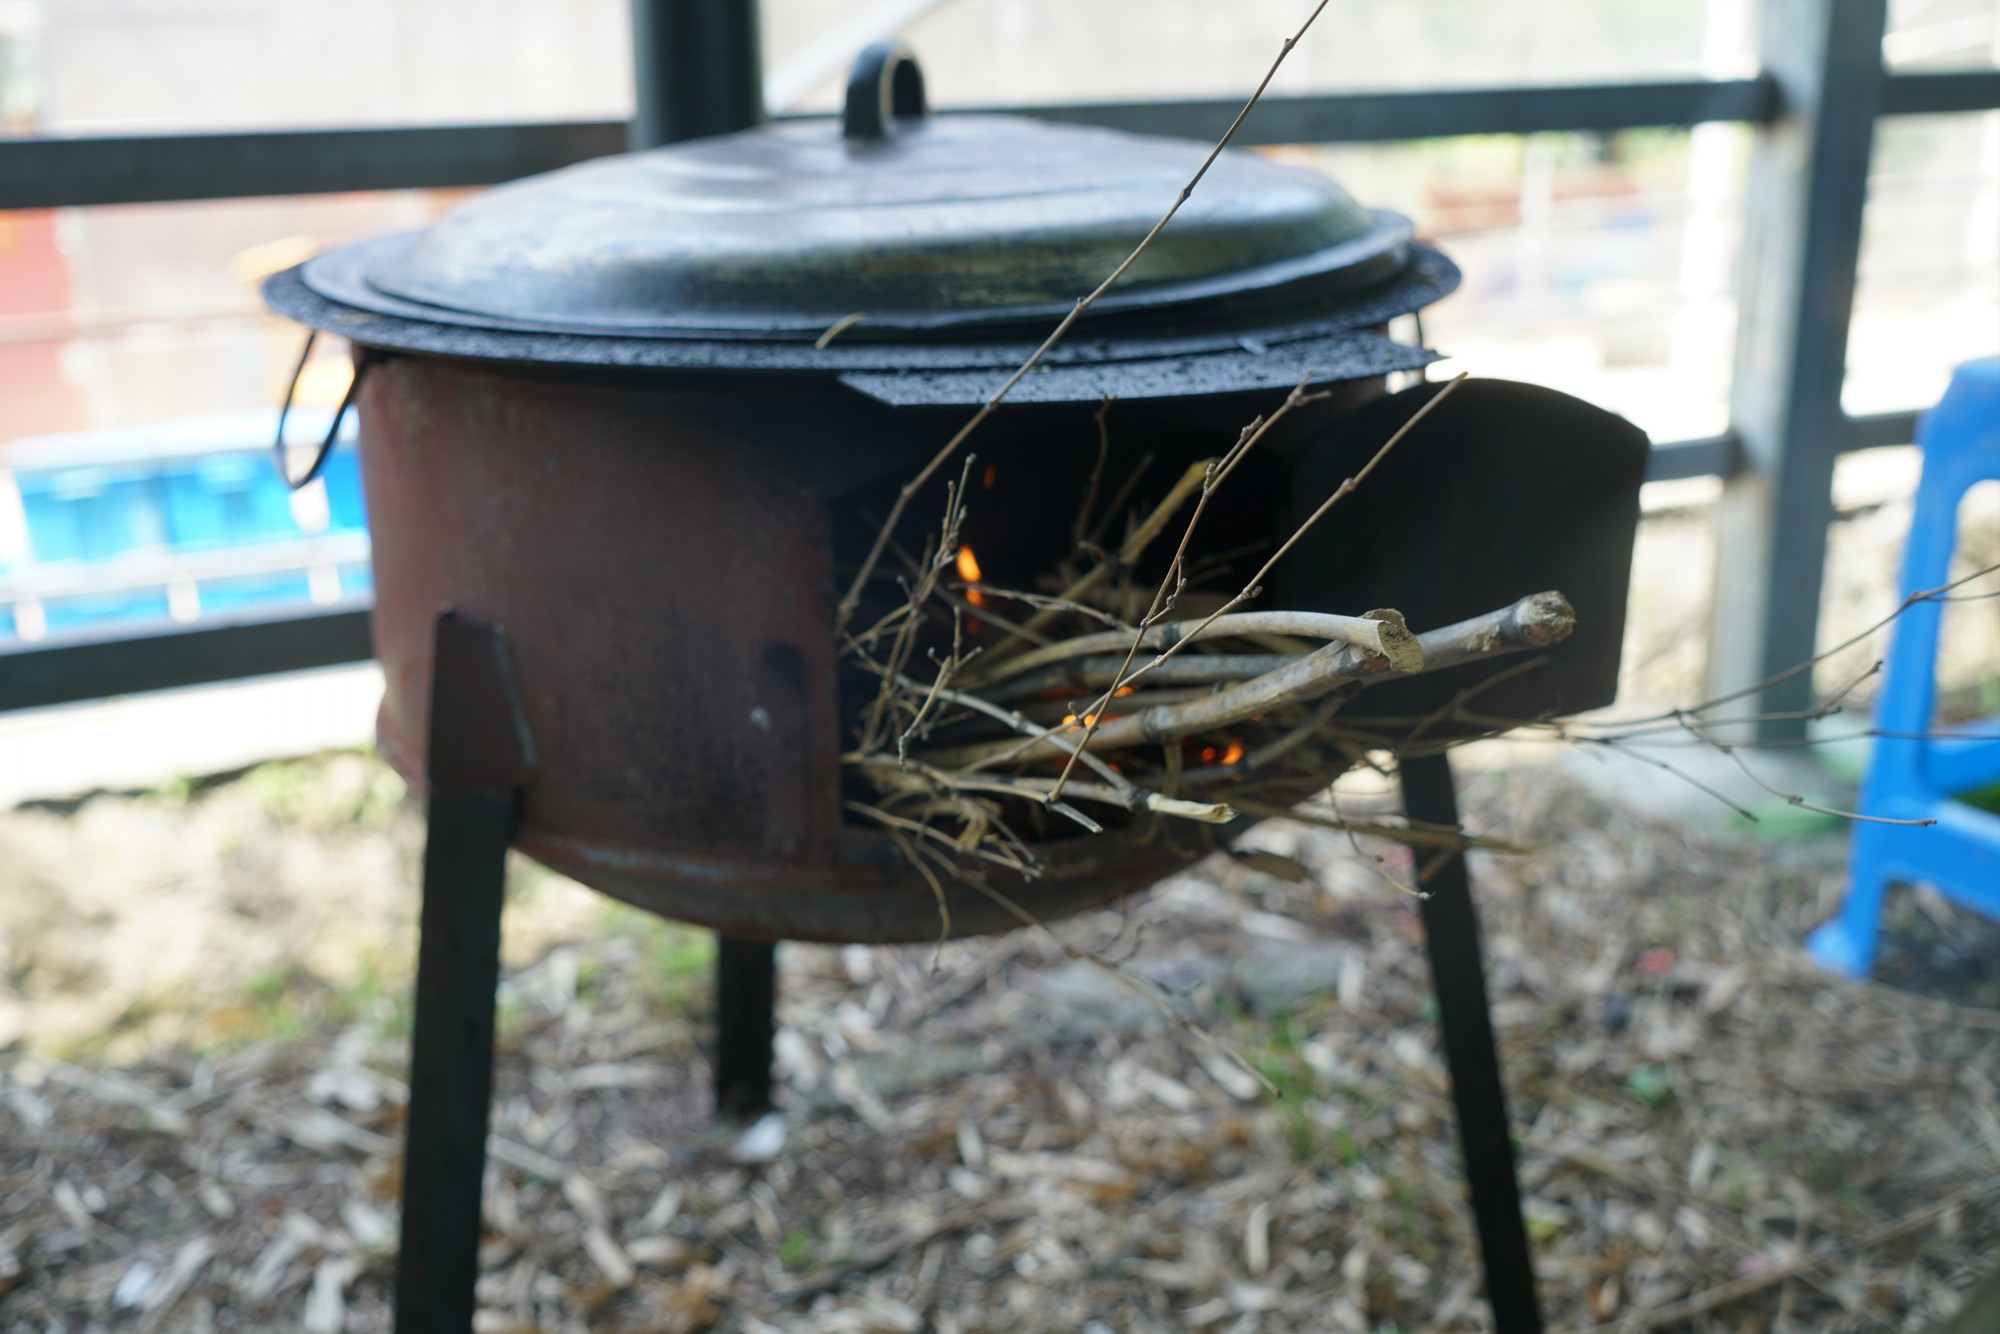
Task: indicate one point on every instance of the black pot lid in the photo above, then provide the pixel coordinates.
(910, 222)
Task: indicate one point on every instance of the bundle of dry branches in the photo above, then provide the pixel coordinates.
(983, 734)
(977, 721)
(1192, 710)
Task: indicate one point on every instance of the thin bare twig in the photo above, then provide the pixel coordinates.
(1082, 525)
(1093, 541)
(1937, 594)
(1795, 799)
(922, 830)
(1192, 482)
(852, 597)
(1043, 600)
(930, 572)
(909, 850)
(1255, 585)
(1036, 789)
(947, 667)
(1375, 634)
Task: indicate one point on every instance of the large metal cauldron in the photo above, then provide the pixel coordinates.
(627, 411)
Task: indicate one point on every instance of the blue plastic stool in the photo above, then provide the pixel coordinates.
(1910, 777)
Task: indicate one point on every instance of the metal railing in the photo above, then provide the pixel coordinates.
(155, 169)
(1814, 107)
(142, 169)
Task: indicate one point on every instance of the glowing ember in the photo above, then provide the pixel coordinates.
(992, 475)
(1208, 754)
(1234, 753)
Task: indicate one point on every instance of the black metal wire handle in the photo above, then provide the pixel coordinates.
(883, 85)
(362, 362)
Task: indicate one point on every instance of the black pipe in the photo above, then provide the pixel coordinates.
(1451, 935)
(697, 69)
(746, 994)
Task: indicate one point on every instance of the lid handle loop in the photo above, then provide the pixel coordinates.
(883, 86)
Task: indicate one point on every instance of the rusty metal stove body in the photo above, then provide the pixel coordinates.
(663, 556)
(630, 450)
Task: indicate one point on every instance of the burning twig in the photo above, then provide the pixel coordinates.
(1271, 752)
(930, 572)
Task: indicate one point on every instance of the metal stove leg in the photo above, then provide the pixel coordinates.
(1451, 934)
(746, 994)
(451, 1059)
(480, 757)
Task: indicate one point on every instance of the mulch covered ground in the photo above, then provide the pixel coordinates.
(999, 1137)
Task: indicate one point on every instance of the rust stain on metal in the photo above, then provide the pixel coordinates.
(661, 553)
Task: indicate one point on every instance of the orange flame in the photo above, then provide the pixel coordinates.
(968, 570)
(1234, 753)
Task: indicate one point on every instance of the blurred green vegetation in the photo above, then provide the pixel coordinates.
(354, 789)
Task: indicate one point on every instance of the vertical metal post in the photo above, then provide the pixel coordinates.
(480, 758)
(697, 69)
(1807, 184)
(746, 994)
(451, 1059)
(1458, 976)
